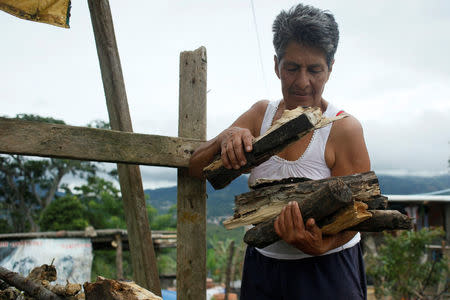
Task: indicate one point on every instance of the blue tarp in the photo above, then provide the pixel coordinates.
(169, 295)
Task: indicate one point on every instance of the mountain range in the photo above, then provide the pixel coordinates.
(221, 202)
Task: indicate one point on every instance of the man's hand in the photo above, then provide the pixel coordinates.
(306, 237)
(232, 143)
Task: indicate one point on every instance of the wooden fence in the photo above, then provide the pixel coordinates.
(129, 150)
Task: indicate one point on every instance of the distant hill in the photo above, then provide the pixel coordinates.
(221, 202)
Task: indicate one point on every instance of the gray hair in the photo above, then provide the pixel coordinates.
(308, 26)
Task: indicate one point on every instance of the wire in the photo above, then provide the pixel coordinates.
(259, 48)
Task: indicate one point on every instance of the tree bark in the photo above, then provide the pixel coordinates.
(384, 220)
(229, 269)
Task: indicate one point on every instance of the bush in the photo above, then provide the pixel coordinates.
(403, 267)
(64, 213)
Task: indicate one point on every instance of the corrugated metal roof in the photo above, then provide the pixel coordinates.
(418, 198)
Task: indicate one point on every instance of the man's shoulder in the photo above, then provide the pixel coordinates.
(346, 127)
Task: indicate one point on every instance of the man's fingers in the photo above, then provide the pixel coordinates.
(312, 227)
(239, 151)
(297, 216)
(224, 156)
(248, 142)
(231, 155)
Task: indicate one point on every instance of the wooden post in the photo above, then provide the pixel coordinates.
(447, 222)
(229, 269)
(119, 257)
(139, 234)
(191, 206)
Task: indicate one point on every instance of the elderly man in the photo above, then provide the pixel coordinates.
(305, 264)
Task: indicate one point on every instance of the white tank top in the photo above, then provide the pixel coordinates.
(311, 165)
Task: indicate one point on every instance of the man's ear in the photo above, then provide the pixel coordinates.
(330, 69)
(277, 70)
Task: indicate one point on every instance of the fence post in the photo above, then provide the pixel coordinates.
(139, 235)
(191, 206)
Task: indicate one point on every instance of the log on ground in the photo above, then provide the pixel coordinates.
(27, 285)
(111, 289)
(292, 125)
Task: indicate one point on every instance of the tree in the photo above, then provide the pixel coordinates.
(28, 185)
(404, 267)
(64, 213)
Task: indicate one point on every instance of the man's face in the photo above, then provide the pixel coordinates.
(303, 72)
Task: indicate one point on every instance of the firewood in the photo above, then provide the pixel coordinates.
(70, 289)
(326, 201)
(292, 125)
(29, 286)
(346, 217)
(319, 203)
(111, 289)
(44, 272)
(265, 203)
(384, 220)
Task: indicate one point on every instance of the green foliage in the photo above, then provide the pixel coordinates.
(218, 243)
(64, 213)
(167, 221)
(104, 264)
(102, 202)
(404, 266)
(167, 261)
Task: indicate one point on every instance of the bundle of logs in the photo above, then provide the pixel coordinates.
(339, 203)
(37, 286)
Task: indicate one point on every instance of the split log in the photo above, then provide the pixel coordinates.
(292, 125)
(316, 204)
(269, 200)
(384, 220)
(323, 203)
(111, 289)
(31, 288)
(346, 217)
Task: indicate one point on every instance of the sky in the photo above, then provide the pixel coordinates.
(391, 71)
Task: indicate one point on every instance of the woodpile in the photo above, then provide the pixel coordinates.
(338, 203)
(37, 286)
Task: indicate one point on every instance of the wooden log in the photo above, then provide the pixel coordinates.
(364, 187)
(229, 269)
(82, 143)
(264, 234)
(119, 257)
(346, 217)
(191, 200)
(110, 289)
(292, 125)
(384, 220)
(29, 286)
(140, 239)
(324, 200)
(331, 197)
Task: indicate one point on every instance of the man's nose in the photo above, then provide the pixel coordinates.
(302, 79)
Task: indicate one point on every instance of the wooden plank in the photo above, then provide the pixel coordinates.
(83, 143)
(191, 207)
(292, 125)
(140, 239)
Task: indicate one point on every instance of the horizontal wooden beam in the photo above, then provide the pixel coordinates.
(92, 144)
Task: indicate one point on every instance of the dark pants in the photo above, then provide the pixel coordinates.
(338, 275)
